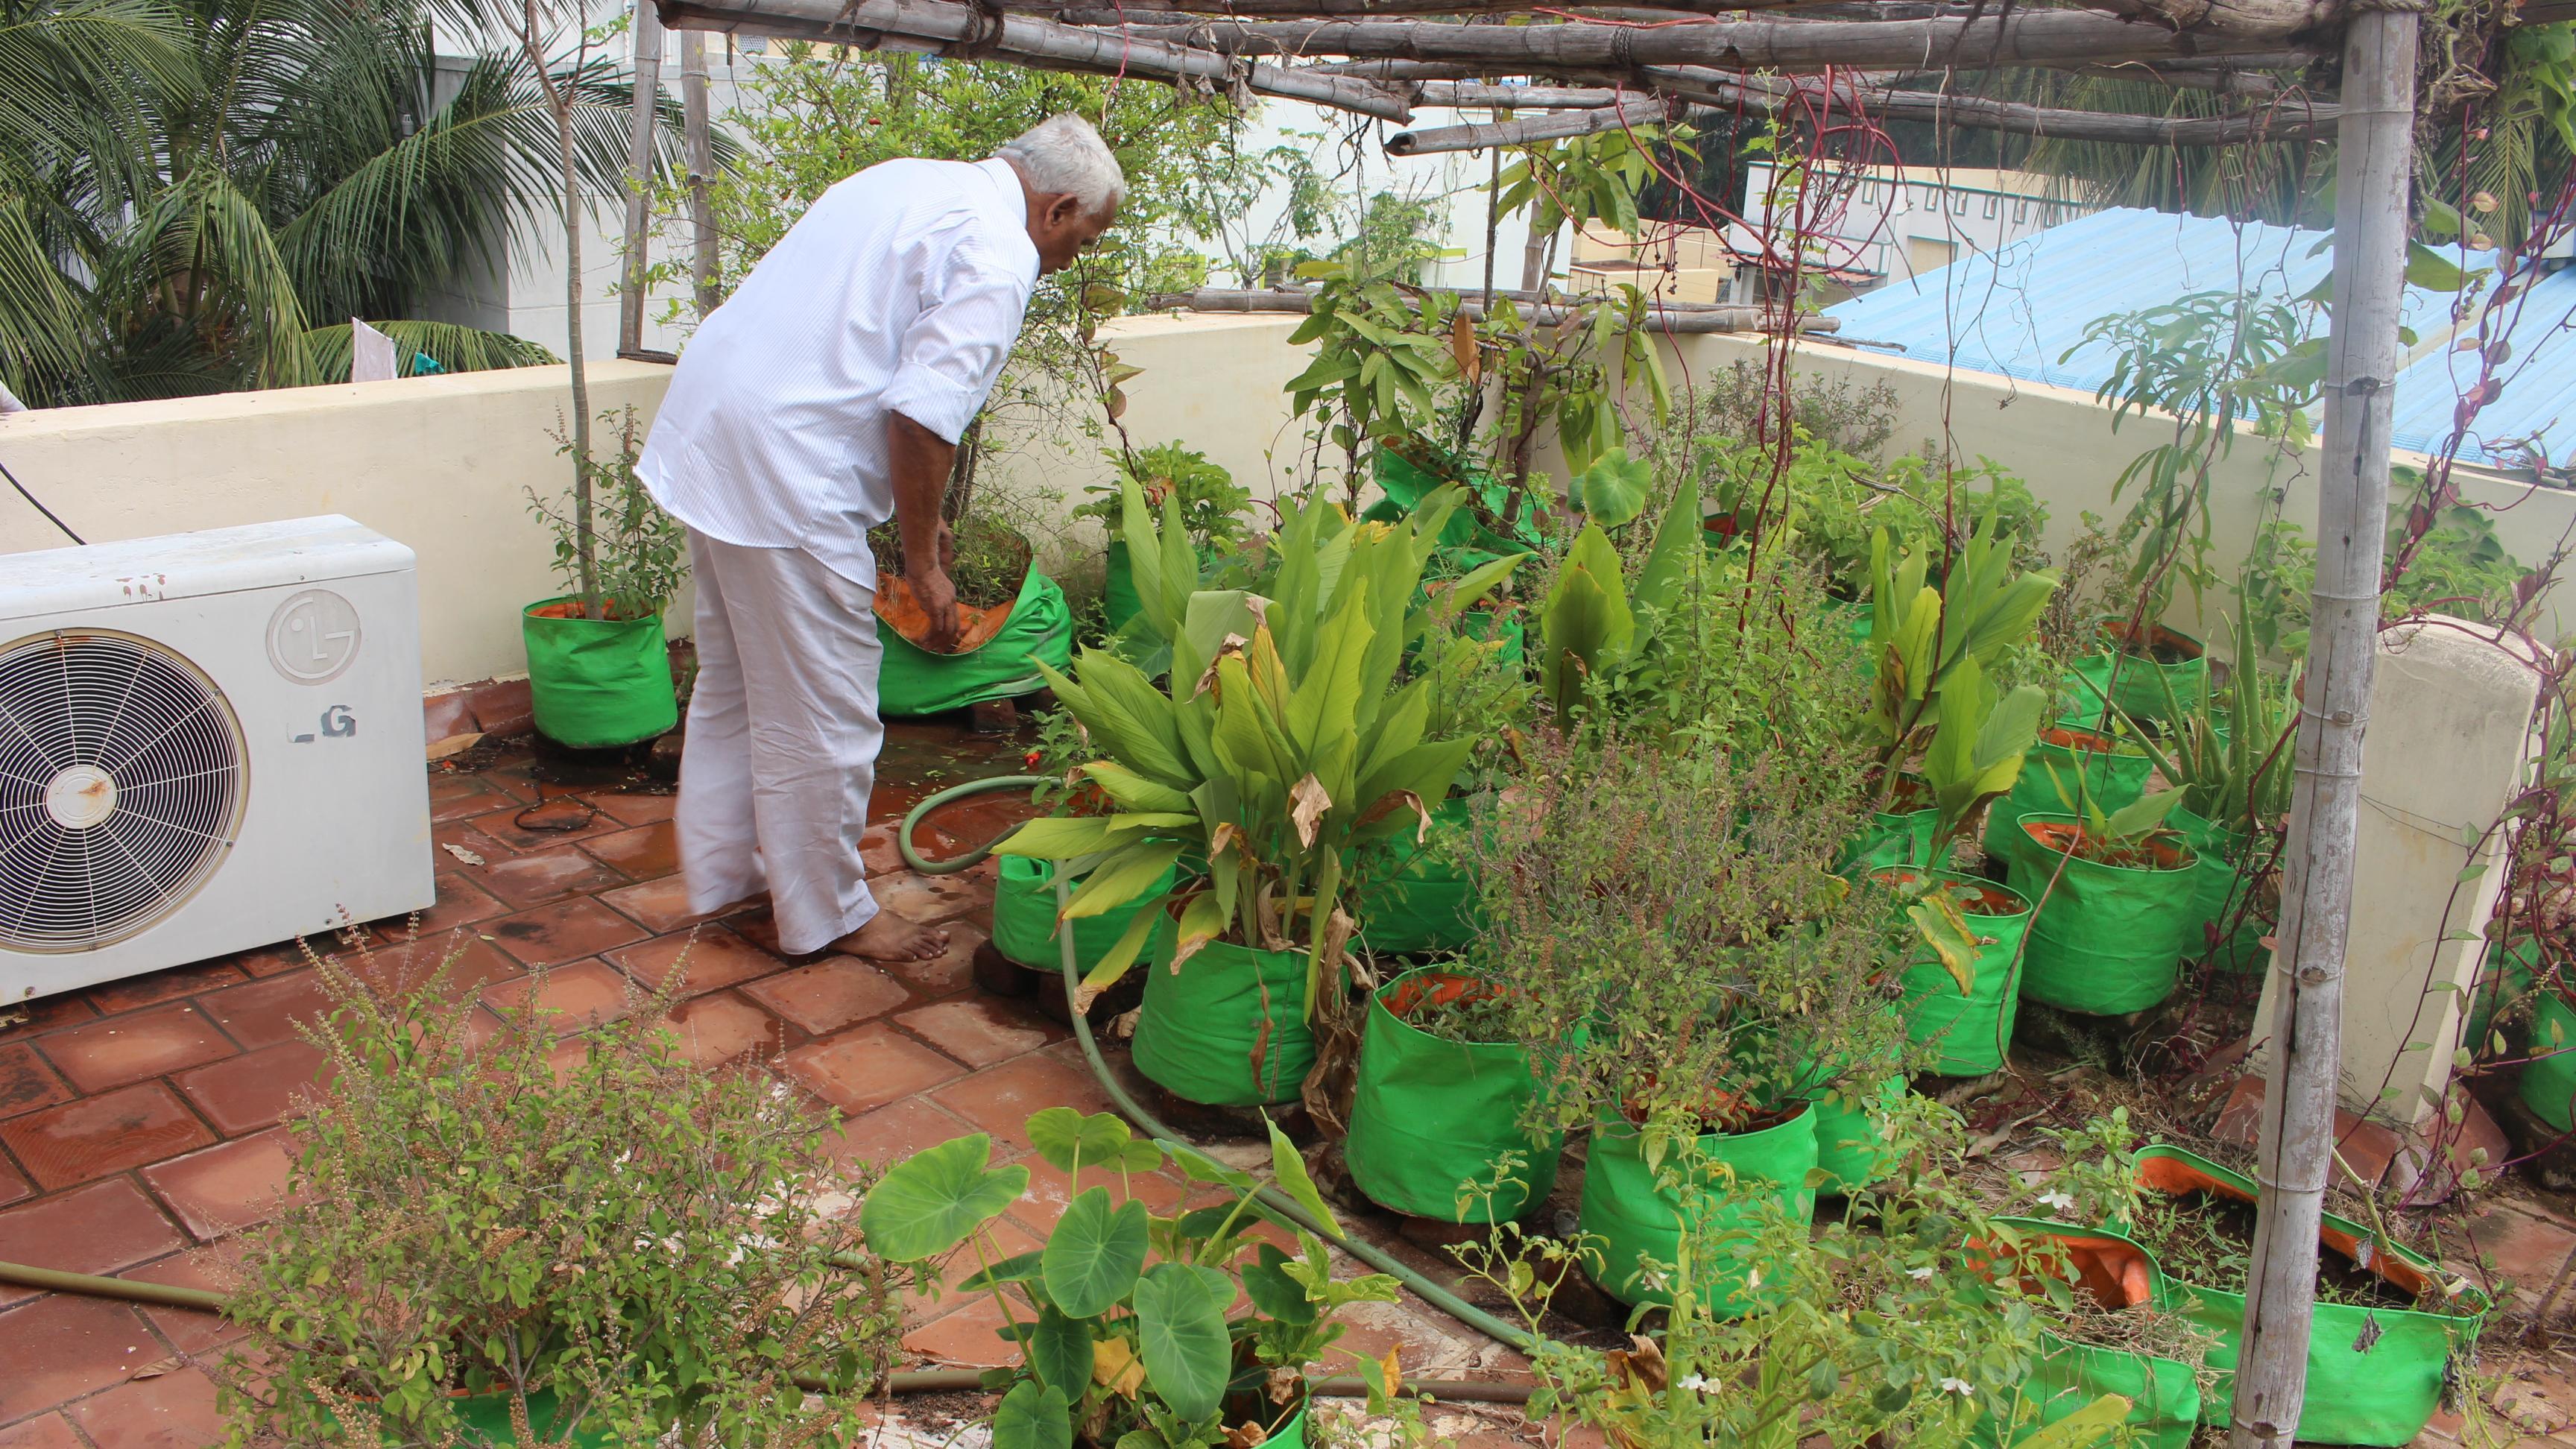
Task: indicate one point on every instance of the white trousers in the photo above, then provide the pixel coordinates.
(782, 744)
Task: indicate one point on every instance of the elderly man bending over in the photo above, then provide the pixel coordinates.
(824, 397)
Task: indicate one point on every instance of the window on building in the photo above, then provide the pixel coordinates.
(1994, 204)
(2021, 211)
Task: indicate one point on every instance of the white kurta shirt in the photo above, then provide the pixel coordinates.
(901, 290)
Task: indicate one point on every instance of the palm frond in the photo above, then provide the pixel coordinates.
(453, 348)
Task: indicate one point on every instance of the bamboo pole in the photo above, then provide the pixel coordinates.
(702, 164)
(2305, 1075)
(949, 29)
(639, 177)
(1470, 94)
(1560, 125)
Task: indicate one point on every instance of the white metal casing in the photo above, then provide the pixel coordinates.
(333, 824)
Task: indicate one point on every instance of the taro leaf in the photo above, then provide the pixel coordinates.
(1060, 1351)
(1180, 1328)
(929, 1202)
(1273, 1292)
(1018, 1268)
(1290, 1169)
(1614, 489)
(1093, 1256)
(1033, 1416)
(1103, 1139)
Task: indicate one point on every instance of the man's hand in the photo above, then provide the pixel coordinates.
(922, 461)
(938, 600)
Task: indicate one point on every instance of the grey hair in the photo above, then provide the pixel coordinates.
(1064, 155)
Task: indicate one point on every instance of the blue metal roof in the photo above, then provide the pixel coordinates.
(2539, 384)
(2018, 310)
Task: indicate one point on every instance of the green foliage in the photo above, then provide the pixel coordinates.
(1282, 740)
(1920, 637)
(1902, 1335)
(465, 1215)
(640, 553)
(1117, 1351)
(1211, 503)
(197, 198)
(2230, 753)
(1586, 177)
(2459, 567)
(1378, 354)
(1615, 489)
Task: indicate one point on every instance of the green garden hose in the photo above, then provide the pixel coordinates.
(1432, 1293)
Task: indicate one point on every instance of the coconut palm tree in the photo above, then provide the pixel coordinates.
(195, 195)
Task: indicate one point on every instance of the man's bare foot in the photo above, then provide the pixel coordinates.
(889, 937)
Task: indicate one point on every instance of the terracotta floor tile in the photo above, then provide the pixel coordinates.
(26, 1082)
(226, 1188)
(830, 994)
(172, 1411)
(95, 1229)
(48, 1013)
(642, 853)
(981, 1030)
(264, 1013)
(947, 973)
(722, 1027)
(53, 1431)
(636, 809)
(964, 1337)
(466, 836)
(455, 797)
(469, 962)
(564, 931)
(714, 957)
(1051, 1192)
(2527, 1248)
(121, 1049)
(892, 1133)
(548, 875)
(567, 812)
(1000, 1099)
(14, 1186)
(662, 905)
(111, 997)
(96, 1136)
(272, 961)
(928, 899)
(60, 1347)
(577, 996)
(867, 1067)
(215, 1267)
(460, 903)
(251, 1091)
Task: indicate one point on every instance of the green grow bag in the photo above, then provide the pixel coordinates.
(1229, 1028)
(2508, 973)
(1432, 1117)
(2137, 693)
(2374, 1374)
(485, 1419)
(596, 683)
(1425, 903)
(1894, 837)
(2548, 1085)
(1491, 628)
(1405, 486)
(2107, 939)
(2163, 1393)
(2214, 896)
(1971, 1030)
(2049, 773)
(918, 682)
(1118, 598)
(1851, 1150)
(1633, 1220)
(1024, 920)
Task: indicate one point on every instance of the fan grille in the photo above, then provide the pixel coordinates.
(120, 787)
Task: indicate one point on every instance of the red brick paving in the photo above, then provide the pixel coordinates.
(94, 1137)
(95, 1229)
(867, 1067)
(129, 1048)
(830, 994)
(171, 1411)
(26, 1082)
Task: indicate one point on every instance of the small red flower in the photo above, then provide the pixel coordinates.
(1030, 759)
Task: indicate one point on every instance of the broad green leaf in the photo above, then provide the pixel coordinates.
(1059, 1351)
(1289, 1166)
(928, 1203)
(1018, 1268)
(1102, 1139)
(1131, 791)
(1473, 585)
(1197, 1166)
(1124, 877)
(1614, 489)
(1272, 1291)
(2096, 1423)
(1033, 1416)
(1180, 1333)
(1057, 837)
(1093, 1256)
(2143, 814)
(1586, 625)
(1122, 953)
(1677, 548)
(1944, 927)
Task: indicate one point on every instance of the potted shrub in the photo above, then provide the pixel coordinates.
(1279, 744)
(538, 1237)
(599, 673)
(1209, 502)
(1444, 1089)
(2066, 766)
(1114, 1351)
(2114, 895)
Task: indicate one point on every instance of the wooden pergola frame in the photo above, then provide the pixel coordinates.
(1384, 58)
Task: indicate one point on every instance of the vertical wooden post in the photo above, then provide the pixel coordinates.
(2372, 166)
(701, 147)
(639, 175)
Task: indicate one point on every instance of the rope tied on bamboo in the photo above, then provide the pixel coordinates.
(983, 37)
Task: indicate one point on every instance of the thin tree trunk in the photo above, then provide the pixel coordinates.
(639, 176)
(2362, 357)
(702, 165)
(559, 101)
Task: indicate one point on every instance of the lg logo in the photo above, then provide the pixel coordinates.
(337, 723)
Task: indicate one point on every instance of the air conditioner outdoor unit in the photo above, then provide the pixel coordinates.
(208, 742)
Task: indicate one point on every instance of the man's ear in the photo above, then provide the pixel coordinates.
(1064, 211)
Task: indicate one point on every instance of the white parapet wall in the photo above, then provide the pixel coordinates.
(444, 463)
